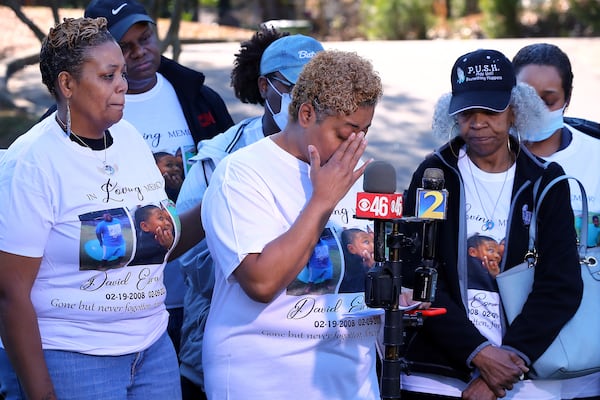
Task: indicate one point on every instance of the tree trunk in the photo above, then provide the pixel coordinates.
(16, 7)
(18, 64)
(172, 38)
(55, 6)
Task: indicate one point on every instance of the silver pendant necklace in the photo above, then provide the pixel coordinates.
(106, 167)
(488, 224)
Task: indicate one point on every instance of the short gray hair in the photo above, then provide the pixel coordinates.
(528, 108)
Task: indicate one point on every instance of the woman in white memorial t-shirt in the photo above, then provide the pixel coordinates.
(77, 316)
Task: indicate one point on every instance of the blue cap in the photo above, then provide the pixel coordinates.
(288, 55)
(120, 14)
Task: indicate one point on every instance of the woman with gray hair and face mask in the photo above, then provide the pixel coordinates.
(469, 352)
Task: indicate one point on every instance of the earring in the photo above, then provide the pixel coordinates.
(513, 131)
(68, 118)
(451, 133)
(451, 136)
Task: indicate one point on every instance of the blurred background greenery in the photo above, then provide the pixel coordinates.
(387, 19)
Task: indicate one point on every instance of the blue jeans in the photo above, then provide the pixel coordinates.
(149, 374)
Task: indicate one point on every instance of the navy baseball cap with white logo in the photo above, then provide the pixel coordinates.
(120, 14)
(481, 79)
(288, 55)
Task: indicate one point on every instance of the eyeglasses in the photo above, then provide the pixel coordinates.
(288, 85)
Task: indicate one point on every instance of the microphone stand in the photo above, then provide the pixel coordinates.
(383, 285)
(393, 331)
(384, 290)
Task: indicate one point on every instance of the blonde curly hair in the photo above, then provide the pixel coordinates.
(528, 108)
(336, 83)
(66, 46)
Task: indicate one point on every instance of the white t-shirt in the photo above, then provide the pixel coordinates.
(158, 116)
(99, 289)
(532, 390)
(580, 159)
(578, 156)
(311, 341)
(487, 197)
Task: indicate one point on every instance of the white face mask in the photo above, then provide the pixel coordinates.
(281, 118)
(552, 123)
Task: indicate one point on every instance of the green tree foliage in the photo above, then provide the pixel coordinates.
(501, 18)
(460, 8)
(396, 19)
(587, 15)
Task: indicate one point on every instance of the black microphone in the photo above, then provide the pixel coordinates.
(433, 180)
(431, 206)
(379, 177)
(378, 202)
(383, 283)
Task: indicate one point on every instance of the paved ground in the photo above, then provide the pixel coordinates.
(414, 73)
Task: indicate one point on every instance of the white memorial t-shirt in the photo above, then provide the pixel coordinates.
(313, 341)
(99, 289)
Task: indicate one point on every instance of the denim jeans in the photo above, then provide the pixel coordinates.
(149, 374)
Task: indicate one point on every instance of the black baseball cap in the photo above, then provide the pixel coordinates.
(481, 79)
(120, 14)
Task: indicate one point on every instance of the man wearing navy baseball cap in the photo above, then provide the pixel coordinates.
(170, 88)
(171, 107)
(121, 15)
(481, 79)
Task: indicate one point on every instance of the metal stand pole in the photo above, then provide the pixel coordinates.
(393, 329)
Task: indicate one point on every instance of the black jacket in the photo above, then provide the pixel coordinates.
(446, 344)
(205, 111)
(586, 126)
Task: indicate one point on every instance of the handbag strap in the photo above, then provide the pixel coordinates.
(531, 255)
(582, 248)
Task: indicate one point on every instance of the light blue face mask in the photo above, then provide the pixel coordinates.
(552, 123)
(281, 118)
